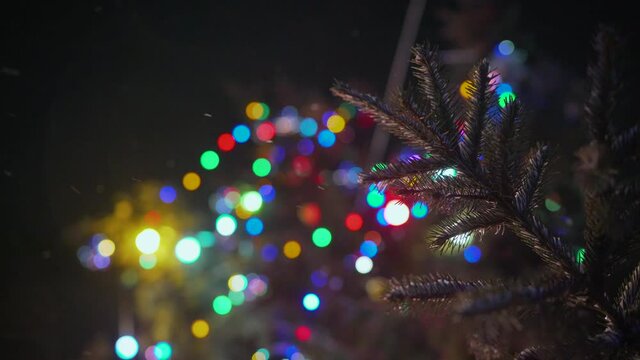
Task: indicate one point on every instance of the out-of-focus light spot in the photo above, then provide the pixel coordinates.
(419, 210)
(261, 167)
(373, 236)
(319, 278)
(375, 198)
(237, 282)
(129, 278)
(376, 288)
(106, 247)
(163, 351)
(286, 125)
(200, 329)
(364, 265)
(147, 261)
(503, 88)
(127, 347)
(188, 250)
(308, 127)
(241, 133)
(101, 262)
(268, 193)
(148, 241)
(346, 110)
(209, 160)
(472, 254)
(261, 354)
(380, 217)
(152, 218)
(277, 154)
(191, 181)
(505, 98)
(226, 142)
(353, 222)
(237, 297)
(303, 333)
(257, 111)
(305, 147)
(254, 226)
(326, 138)
(167, 194)
(251, 201)
(336, 123)
(206, 238)
(506, 47)
(311, 302)
(292, 249)
(226, 224)
(309, 214)
(321, 237)
(466, 89)
(222, 305)
(123, 210)
(580, 255)
(368, 248)
(150, 353)
(396, 213)
(551, 205)
(269, 252)
(258, 286)
(301, 166)
(265, 131)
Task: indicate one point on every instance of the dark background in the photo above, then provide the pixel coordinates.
(99, 94)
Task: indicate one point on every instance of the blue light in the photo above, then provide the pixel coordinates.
(268, 193)
(241, 133)
(472, 254)
(269, 252)
(506, 47)
(277, 154)
(311, 302)
(254, 226)
(168, 194)
(305, 147)
(326, 138)
(326, 116)
(419, 210)
(319, 278)
(380, 217)
(222, 207)
(289, 110)
(368, 248)
(503, 88)
(290, 351)
(308, 127)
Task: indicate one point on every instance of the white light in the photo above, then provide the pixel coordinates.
(148, 241)
(364, 265)
(396, 213)
(188, 250)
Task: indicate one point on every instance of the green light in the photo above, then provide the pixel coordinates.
(188, 250)
(580, 255)
(505, 98)
(551, 205)
(162, 351)
(375, 198)
(261, 167)
(321, 237)
(126, 347)
(251, 201)
(148, 261)
(222, 305)
(209, 160)
(236, 297)
(265, 111)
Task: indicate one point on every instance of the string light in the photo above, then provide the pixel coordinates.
(168, 194)
(237, 282)
(261, 167)
(303, 333)
(148, 241)
(506, 47)
(254, 226)
(191, 181)
(188, 250)
(396, 213)
(311, 302)
(200, 329)
(419, 210)
(147, 261)
(375, 198)
(353, 222)
(106, 247)
(472, 254)
(257, 111)
(126, 347)
(466, 89)
(265, 131)
(209, 160)
(505, 98)
(326, 138)
(163, 350)
(321, 237)
(241, 133)
(308, 127)
(336, 123)
(226, 142)
(222, 305)
(292, 249)
(368, 248)
(226, 224)
(364, 265)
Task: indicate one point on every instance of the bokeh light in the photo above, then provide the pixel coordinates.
(321, 237)
(237, 282)
(326, 138)
(251, 201)
(226, 142)
(375, 198)
(309, 214)
(292, 249)
(241, 133)
(191, 181)
(265, 131)
(268, 193)
(472, 254)
(163, 350)
(580, 255)
(261, 354)
(257, 111)
(222, 305)
(209, 160)
(396, 213)
(200, 329)
(226, 224)
(167, 194)
(369, 248)
(505, 98)
(206, 238)
(466, 89)
(419, 210)
(106, 247)
(311, 302)
(261, 167)
(353, 221)
(269, 252)
(126, 347)
(147, 261)
(364, 265)
(380, 217)
(308, 127)
(303, 333)
(148, 241)
(188, 250)
(503, 88)
(254, 226)
(336, 123)
(552, 205)
(506, 47)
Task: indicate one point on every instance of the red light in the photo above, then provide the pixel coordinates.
(226, 142)
(152, 217)
(373, 236)
(301, 166)
(303, 333)
(309, 214)
(353, 222)
(265, 131)
(364, 120)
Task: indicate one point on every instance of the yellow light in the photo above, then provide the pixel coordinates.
(292, 249)
(148, 241)
(465, 89)
(191, 181)
(335, 123)
(106, 247)
(254, 110)
(200, 329)
(242, 213)
(123, 210)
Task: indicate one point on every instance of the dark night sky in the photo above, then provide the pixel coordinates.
(100, 92)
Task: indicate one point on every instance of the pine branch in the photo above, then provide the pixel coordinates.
(383, 174)
(532, 353)
(629, 298)
(431, 288)
(532, 179)
(448, 235)
(481, 99)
